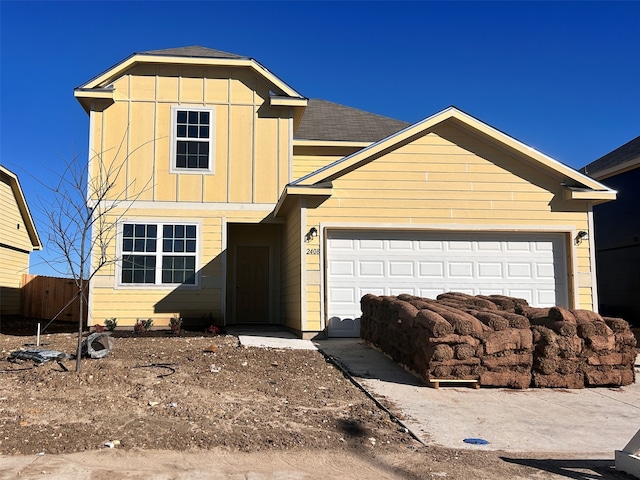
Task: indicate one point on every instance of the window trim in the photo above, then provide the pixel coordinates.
(173, 168)
(160, 223)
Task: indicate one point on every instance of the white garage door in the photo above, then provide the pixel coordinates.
(526, 265)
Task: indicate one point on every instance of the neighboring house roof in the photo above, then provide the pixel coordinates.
(23, 207)
(626, 157)
(100, 86)
(577, 185)
(328, 121)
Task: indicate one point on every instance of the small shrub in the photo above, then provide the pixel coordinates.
(175, 323)
(98, 328)
(212, 329)
(142, 325)
(111, 324)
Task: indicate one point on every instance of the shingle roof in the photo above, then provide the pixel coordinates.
(193, 51)
(330, 121)
(626, 152)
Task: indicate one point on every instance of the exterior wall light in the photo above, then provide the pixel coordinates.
(311, 234)
(582, 235)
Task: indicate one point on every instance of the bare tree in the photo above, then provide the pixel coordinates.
(83, 212)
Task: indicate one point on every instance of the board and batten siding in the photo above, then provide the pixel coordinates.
(127, 303)
(251, 159)
(451, 178)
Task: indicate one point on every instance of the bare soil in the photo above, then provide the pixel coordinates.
(192, 393)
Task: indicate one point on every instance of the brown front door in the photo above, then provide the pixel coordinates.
(252, 284)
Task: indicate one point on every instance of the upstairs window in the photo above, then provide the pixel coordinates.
(192, 142)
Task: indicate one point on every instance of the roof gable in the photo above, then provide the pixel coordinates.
(22, 206)
(100, 86)
(575, 181)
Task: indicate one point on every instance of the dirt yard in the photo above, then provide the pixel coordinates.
(192, 394)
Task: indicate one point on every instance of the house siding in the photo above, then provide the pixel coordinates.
(108, 299)
(291, 269)
(248, 142)
(15, 245)
(450, 179)
(307, 159)
(14, 264)
(617, 239)
(251, 166)
(13, 231)
(447, 173)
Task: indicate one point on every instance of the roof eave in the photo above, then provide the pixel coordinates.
(280, 101)
(108, 76)
(616, 170)
(329, 143)
(87, 96)
(585, 194)
(321, 190)
(24, 208)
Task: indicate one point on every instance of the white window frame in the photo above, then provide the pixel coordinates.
(174, 139)
(158, 285)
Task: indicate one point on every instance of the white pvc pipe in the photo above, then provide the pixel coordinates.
(38, 337)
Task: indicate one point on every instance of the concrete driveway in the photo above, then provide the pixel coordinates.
(591, 422)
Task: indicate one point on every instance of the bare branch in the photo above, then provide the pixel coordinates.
(83, 215)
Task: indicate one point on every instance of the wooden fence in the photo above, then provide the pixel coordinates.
(44, 297)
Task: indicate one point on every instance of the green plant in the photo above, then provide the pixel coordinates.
(143, 325)
(111, 323)
(175, 323)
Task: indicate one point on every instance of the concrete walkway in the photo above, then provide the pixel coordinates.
(251, 337)
(591, 422)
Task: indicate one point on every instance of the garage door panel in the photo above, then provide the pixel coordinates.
(344, 268)
(458, 246)
(431, 269)
(460, 269)
(371, 245)
(546, 297)
(490, 270)
(519, 270)
(345, 295)
(545, 270)
(490, 247)
(430, 292)
(431, 245)
(492, 291)
(341, 244)
(368, 268)
(530, 266)
(400, 245)
(401, 269)
(518, 247)
(344, 327)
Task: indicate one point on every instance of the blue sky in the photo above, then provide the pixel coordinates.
(561, 77)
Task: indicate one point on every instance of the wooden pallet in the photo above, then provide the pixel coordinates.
(435, 382)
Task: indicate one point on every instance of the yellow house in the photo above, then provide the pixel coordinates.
(249, 203)
(18, 238)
